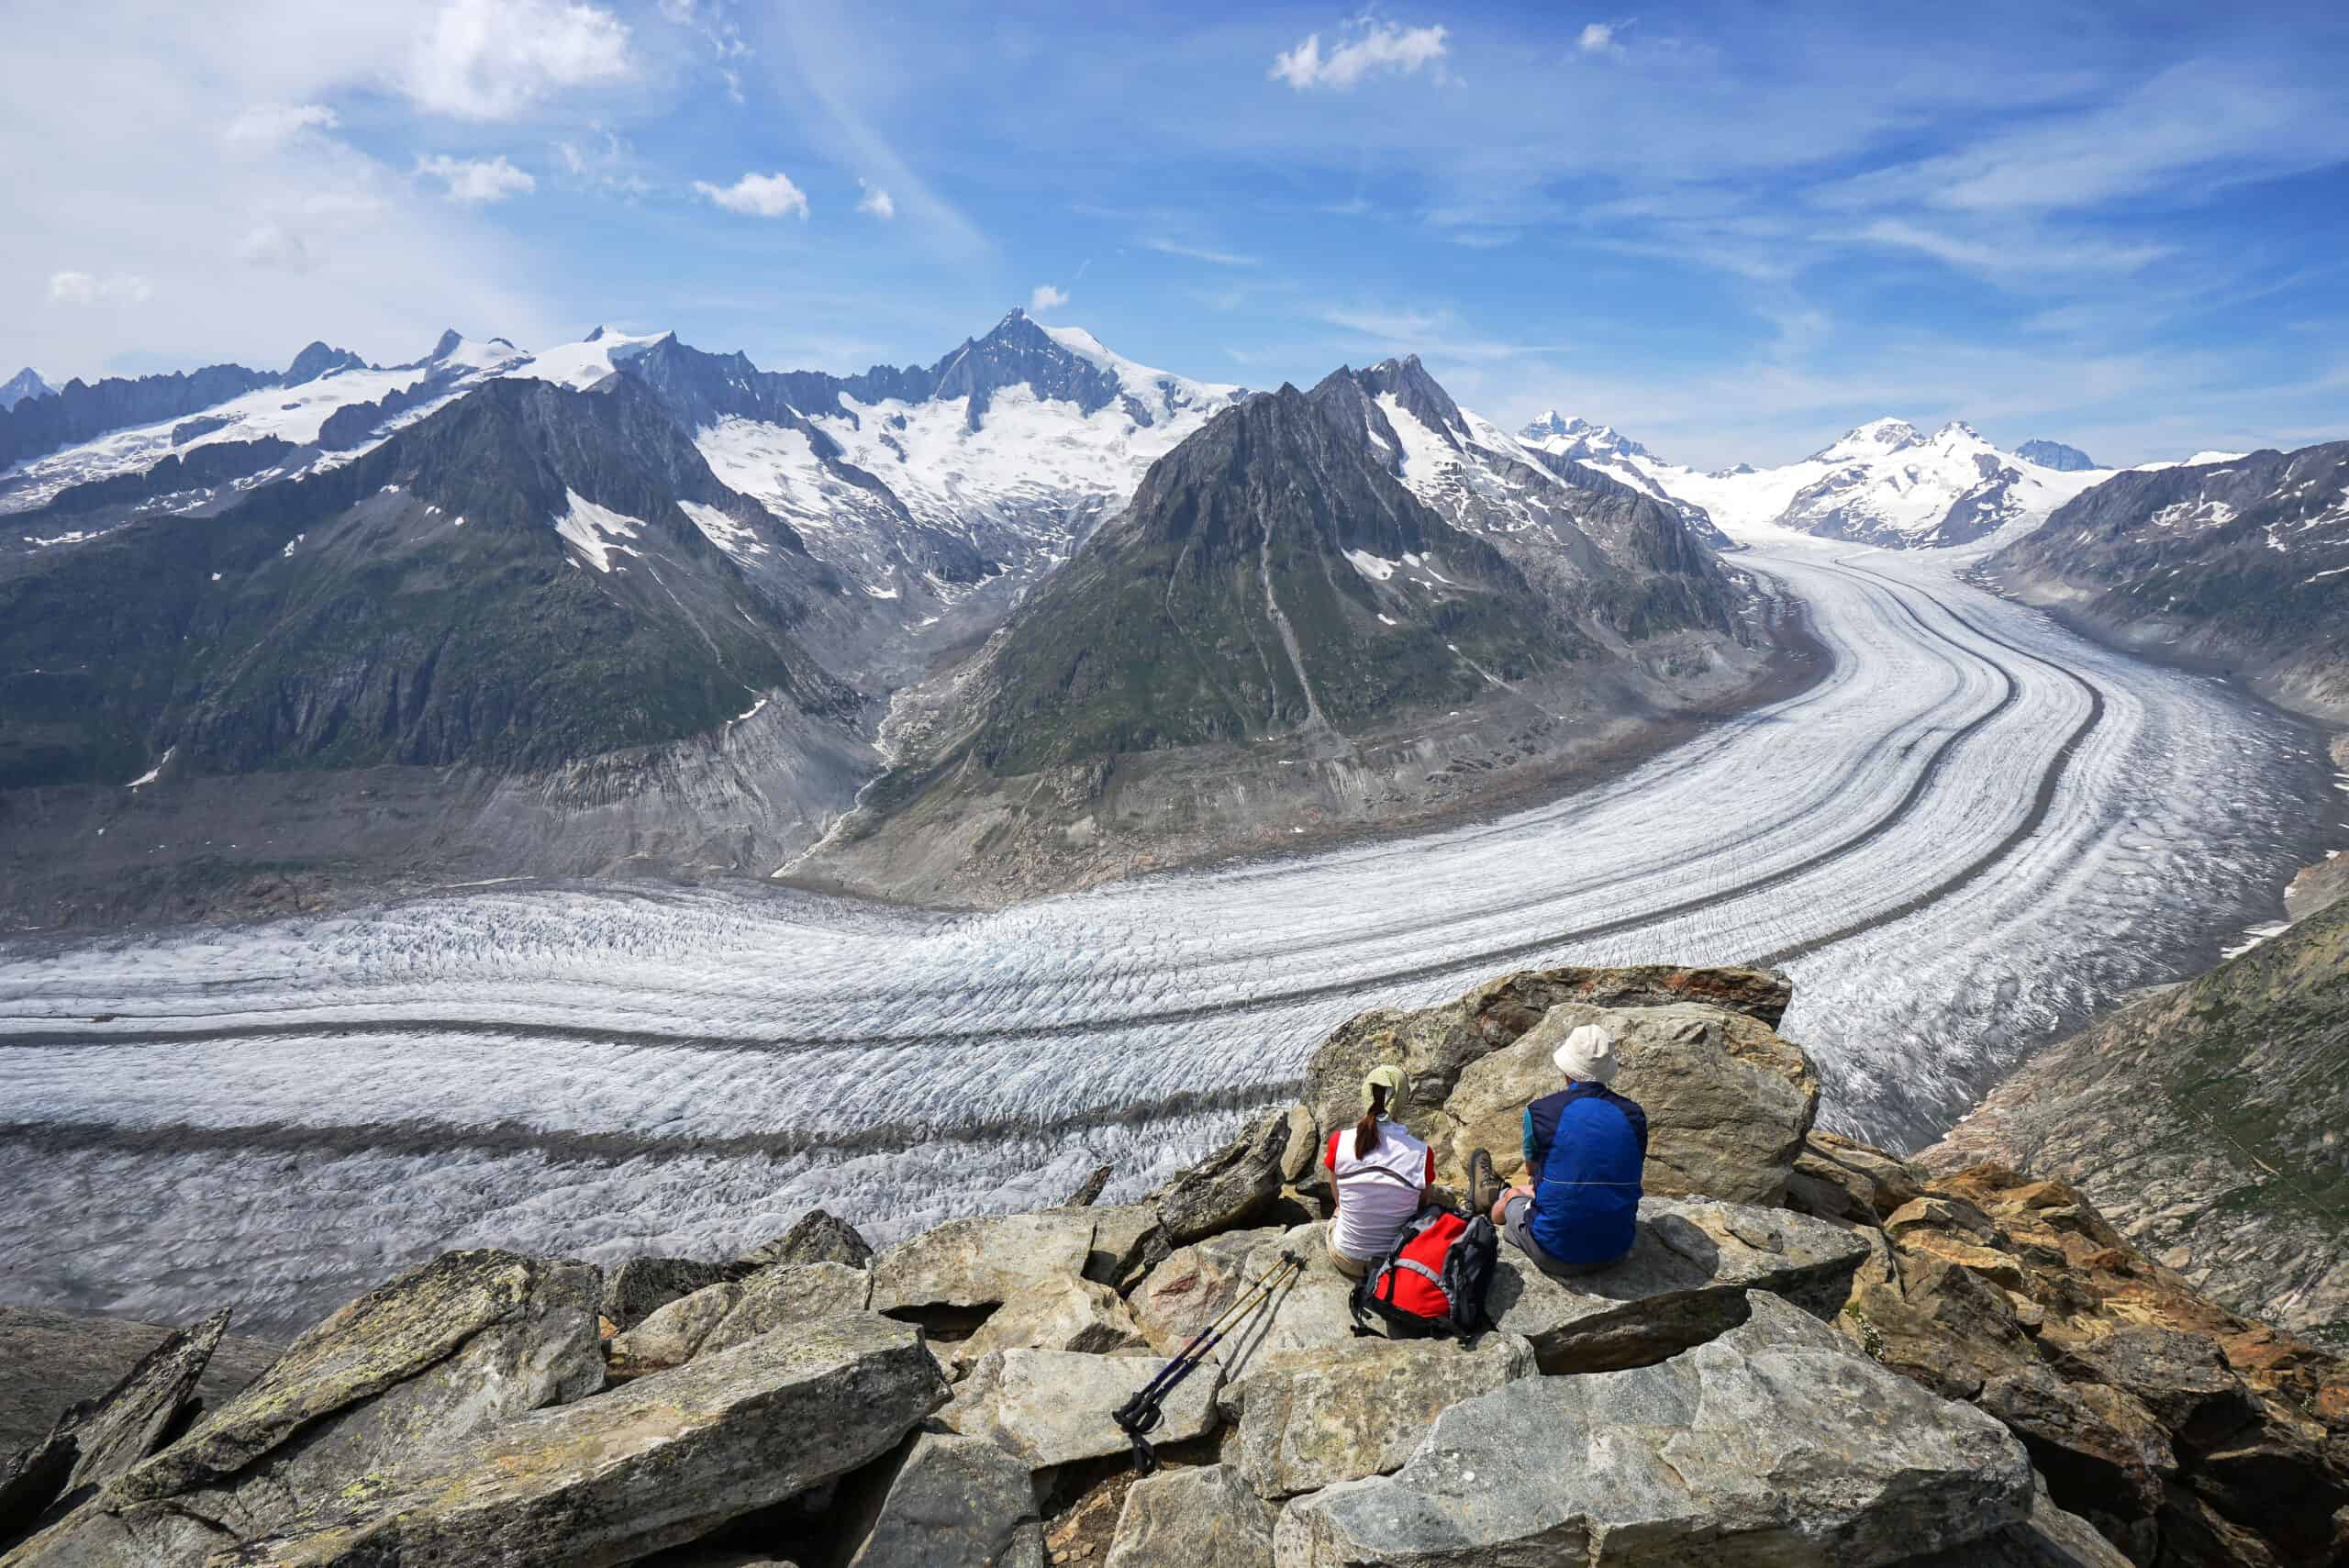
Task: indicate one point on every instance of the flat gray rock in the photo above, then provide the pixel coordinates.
(1053, 1315)
(641, 1287)
(2050, 1538)
(1054, 1407)
(1192, 1287)
(1340, 1412)
(1685, 1282)
(954, 1502)
(1774, 1444)
(664, 1461)
(788, 1294)
(816, 1238)
(968, 1264)
(1201, 1518)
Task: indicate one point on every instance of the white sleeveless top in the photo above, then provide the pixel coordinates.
(1377, 1197)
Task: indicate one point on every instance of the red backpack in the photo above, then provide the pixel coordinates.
(1433, 1283)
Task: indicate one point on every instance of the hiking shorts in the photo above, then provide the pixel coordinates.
(1514, 1219)
(1352, 1268)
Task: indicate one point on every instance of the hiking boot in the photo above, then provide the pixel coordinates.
(1484, 1187)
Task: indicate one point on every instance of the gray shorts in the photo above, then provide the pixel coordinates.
(1513, 1222)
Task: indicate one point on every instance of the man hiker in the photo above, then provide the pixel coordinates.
(1584, 1147)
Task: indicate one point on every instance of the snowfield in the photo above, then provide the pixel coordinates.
(1976, 829)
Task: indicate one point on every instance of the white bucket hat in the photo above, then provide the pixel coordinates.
(1587, 1056)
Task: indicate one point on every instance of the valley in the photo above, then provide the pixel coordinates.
(1975, 831)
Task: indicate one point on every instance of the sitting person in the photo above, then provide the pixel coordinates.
(1584, 1147)
(1379, 1175)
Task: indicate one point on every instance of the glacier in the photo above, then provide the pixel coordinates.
(1972, 831)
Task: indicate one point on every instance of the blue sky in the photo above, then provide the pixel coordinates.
(1733, 230)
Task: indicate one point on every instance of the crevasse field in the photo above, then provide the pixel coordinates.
(1977, 828)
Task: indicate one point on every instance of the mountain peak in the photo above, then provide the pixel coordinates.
(318, 360)
(25, 385)
(2057, 455)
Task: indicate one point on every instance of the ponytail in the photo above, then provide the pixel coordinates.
(1366, 1130)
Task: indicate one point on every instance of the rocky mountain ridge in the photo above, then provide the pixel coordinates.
(2242, 564)
(22, 386)
(1851, 1362)
(1324, 607)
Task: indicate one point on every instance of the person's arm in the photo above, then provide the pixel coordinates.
(1533, 1152)
(1426, 1180)
(1330, 1164)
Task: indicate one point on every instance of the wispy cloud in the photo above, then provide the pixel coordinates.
(1599, 38)
(492, 59)
(1046, 298)
(274, 246)
(757, 196)
(476, 180)
(265, 126)
(86, 288)
(875, 202)
(1198, 253)
(1370, 47)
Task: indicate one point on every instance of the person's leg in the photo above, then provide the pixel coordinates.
(1500, 1205)
(1352, 1268)
(1484, 1183)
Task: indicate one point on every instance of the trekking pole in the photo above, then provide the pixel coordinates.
(1140, 1415)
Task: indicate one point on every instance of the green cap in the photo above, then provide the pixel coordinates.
(1389, 1078)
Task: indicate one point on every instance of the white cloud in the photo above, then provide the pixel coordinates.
(611, 167)
(1599, 38)
(82, 288)
(274, 246)
(490, 60)
(1198, 253)
(875, 201)
(1046, 298)
(758, 196)
(477, 181)
(1375, 45)
(269, 126)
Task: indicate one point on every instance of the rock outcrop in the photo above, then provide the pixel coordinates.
(1855, 1362)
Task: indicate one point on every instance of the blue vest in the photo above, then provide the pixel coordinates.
(1586, 1146)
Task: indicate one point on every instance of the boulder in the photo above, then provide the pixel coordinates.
(1685, 1281)
(1310, 1417)
(1836, 1178)
(2048, 1538)
(784, 1294)
(52, 1360)
(1090, 1188)
(1193, 1286)
(2182, 1378)
(410, 1370)
(1774, 1444)
(641, 1287)
(1053, 1315)
(1727, 1102)
(2089, 1441)
(954, 1502)
(1302, 1152)
(1202, 1517)
(816, 1238)
(1054, 1407)
(664, 1461)
(1434, 1044)
(966, 1264)
(671, 1336)
(1127, 1242)
(1235, 1185)
(93, 1443)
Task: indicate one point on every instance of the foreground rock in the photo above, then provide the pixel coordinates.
(406, 1371)
(1053, 1408)
(664, 1461)
(2179, 1430)
(1685, 1281)
(966, 1264)
(1056, 1315)
(1772, 1445)
(1203, 1517)
(49, 1361)
(93, 1443)
(641, 1287)
(953, 1503)
(1233, 1187)
(818, 1238)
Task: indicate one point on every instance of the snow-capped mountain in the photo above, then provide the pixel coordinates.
(2057, 455)
(2242, 561)
(1883, 484)
(1616, 455)
(26, 384)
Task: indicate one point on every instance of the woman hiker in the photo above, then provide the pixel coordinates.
(1380, 1174)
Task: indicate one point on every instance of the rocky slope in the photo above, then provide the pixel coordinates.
(1326, 608)
(2240, 564)
(1853, 1363)
(2207, 1120)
